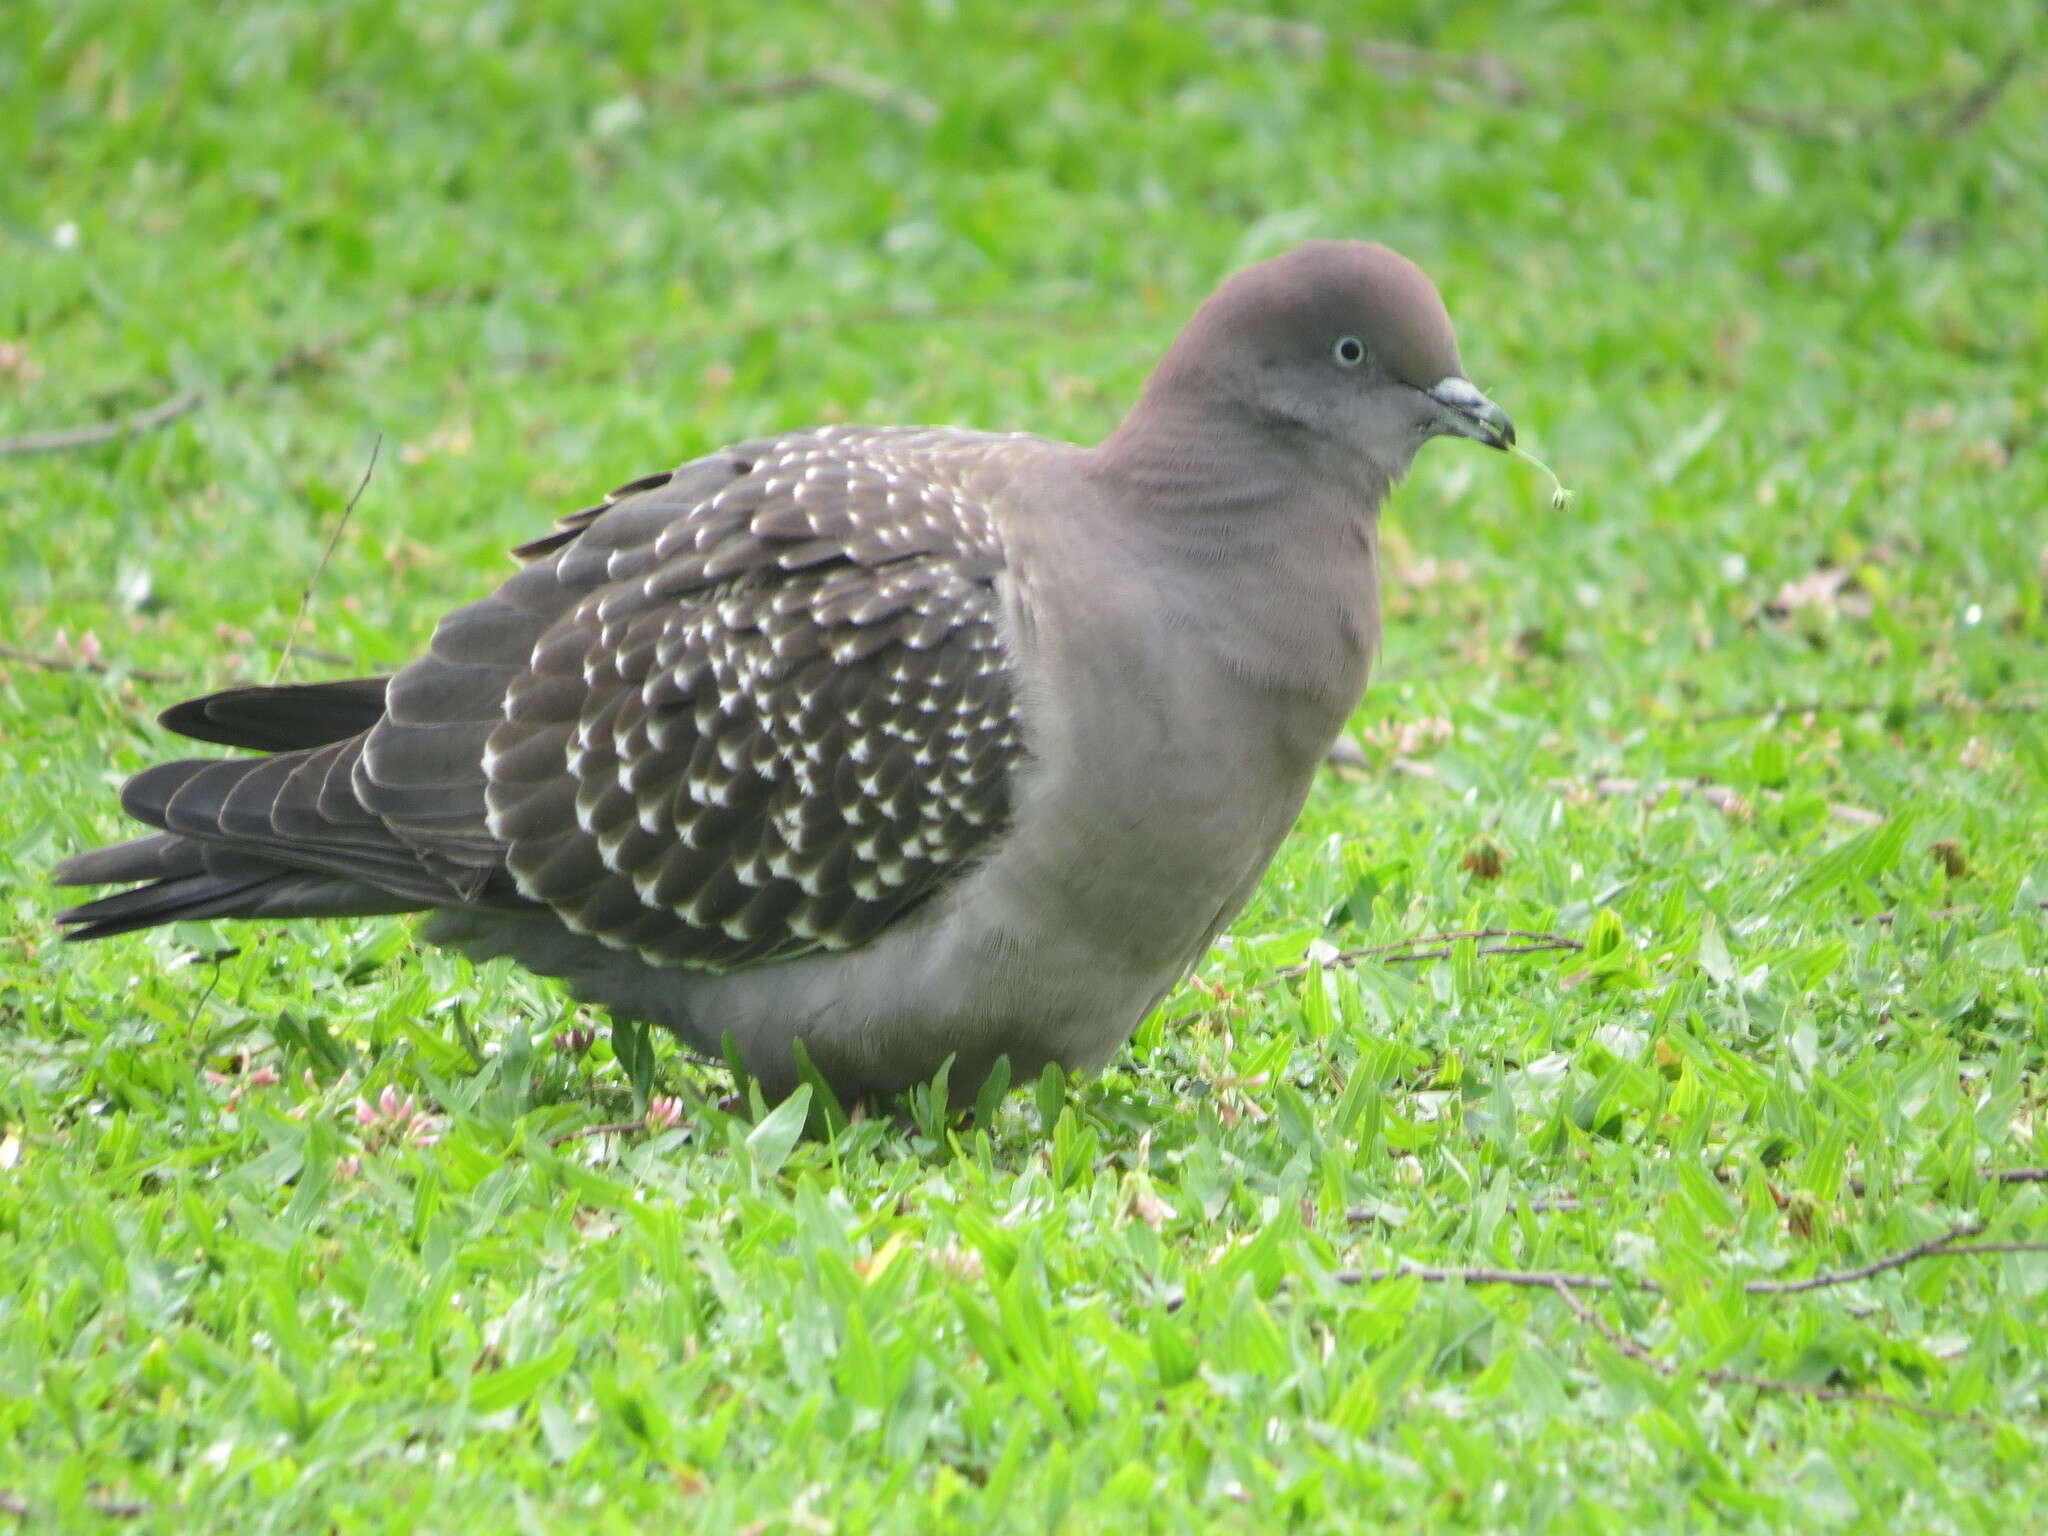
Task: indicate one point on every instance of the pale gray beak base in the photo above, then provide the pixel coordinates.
(1468, 413)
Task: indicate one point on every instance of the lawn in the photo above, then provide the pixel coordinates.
(308, 1229)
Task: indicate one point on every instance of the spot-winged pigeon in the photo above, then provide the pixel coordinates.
(907, 743)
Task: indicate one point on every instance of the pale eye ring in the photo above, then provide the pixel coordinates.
(1349, 352)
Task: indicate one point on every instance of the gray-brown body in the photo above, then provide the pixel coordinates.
(911, 745)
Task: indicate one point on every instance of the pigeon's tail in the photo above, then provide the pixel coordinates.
(275, 837)
(185, 881)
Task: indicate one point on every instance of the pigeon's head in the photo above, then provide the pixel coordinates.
(1343, 342)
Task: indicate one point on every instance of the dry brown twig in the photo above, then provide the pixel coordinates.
(1958, 112)
(1949, 1244)
(1886, 919)
(1719, 796)
(1723, 1377)
(1396, 60)
(1871, 707)
(1567, 1284)
(334, 538)
(107, 1509)
(306, 355)
(1977, 103)
(1899, 1260)
(64, 439)
(47, 663)
(1402, 951)
(826, 77)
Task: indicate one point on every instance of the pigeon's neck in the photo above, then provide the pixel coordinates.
(1265, 541)
(1192, 453)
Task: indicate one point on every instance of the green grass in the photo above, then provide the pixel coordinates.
(1763, 282)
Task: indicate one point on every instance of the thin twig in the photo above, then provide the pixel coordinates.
(1395, 60)
(1886, 919)
(1534, 1279)
(1719, 796)
(1972, 109)
(65, 439)
(80, 664)
(1959, 113)
(219, 958)
(1539, 1205)
(1948, 1245)
(1871, 707)
(1899, 1260)
(826, 77)
(334, 538)
(1641, 1353)
(1402, 951)
(111, 1509)
(300, 358)
(319, 352)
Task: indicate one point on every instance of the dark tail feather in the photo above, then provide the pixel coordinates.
(287, 719)
(159, 856)
(192, 898)
(189, 881)
(189, 878)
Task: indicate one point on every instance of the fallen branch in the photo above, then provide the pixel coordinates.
(1402, 951)
(1721, 1377)
(319, 353)
(48, 663)
(298, 359)
(109, 1509)
(1886, 919)
(1899, 1260)
(1533, 1279)
(1396, 60)
(1872, 707)
(1958, 113)
(1974, 106)
(1719, 796)
(827, 77)
(66, 439)
(1949, 1244)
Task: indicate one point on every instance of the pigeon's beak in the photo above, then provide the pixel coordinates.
(1468, 413)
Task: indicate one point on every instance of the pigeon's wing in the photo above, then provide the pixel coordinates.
(772, 720)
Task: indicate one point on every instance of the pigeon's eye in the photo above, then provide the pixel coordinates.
(1349, 351)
